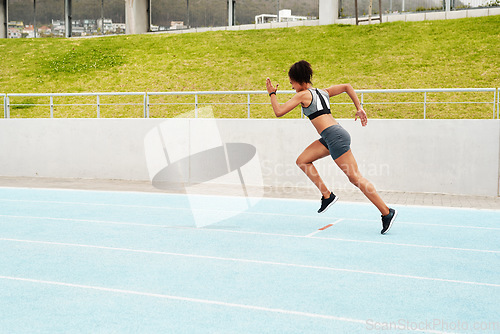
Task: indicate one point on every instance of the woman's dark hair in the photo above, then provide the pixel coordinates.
(301, 72)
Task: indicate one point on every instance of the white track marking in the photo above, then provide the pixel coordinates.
(255, 233)
(315, 217)
(86, 221)
(441, 225)
(188, 299)
(353, 240)
(200, 301)
(218, 258)
(302, 200)
(312, 234)
(93, 204)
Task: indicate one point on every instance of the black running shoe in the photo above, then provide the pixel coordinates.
(388, 220)
(326, 203)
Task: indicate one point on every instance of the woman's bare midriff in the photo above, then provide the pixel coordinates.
(324, 121)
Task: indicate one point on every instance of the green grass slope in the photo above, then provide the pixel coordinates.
(431, 54)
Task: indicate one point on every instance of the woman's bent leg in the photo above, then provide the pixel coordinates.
(348, 164)
(305, 161)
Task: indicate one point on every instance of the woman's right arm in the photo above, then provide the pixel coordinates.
(285, 108)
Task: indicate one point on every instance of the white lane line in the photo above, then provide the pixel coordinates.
(256, 233)
(201, 301)
(449, 225)
(324, 228)
(318, 217)
(218, 258)
(189, 299)
(356, 241)
(165, 194)
(312, 234)
(86, 221)
(275, 214)
(93, 204)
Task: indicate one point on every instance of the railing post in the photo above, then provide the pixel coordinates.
(148, 107)
(51, 106)
(7, 107)
(498, 102)
(196, 105)
(4, 106)
(494, 102)
(425, 104)
(248, 101)
(98, 106)
(362, 100)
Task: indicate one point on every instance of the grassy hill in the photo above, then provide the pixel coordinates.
(431, 54)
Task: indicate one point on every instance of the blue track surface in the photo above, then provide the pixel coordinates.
(125, 262)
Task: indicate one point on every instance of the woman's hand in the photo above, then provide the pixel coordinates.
(281, 109)
(362, 116)
(270, 87)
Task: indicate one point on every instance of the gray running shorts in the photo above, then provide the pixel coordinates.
(336, 139)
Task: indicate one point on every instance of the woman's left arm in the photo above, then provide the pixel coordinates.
(347, 88)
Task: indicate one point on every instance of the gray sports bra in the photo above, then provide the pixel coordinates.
(314, 110)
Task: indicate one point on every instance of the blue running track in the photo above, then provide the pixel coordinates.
(129, 262)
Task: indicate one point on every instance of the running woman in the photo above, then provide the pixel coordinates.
(334, 141)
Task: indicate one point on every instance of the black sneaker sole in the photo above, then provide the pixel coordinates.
(392, 221)
(332, 203)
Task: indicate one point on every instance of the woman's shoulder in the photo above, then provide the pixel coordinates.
(306, 97)
(307, 93)
(314, 89)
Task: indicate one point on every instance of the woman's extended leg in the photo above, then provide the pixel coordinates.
(348, 164)
(305, 161)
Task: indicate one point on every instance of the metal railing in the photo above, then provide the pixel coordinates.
(347, 8)
(51, 104)
(145, 104)
(425, 103)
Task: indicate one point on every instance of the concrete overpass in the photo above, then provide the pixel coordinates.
(138, 15)
(4, 18)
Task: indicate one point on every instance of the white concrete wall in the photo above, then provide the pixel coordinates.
(442, 156)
